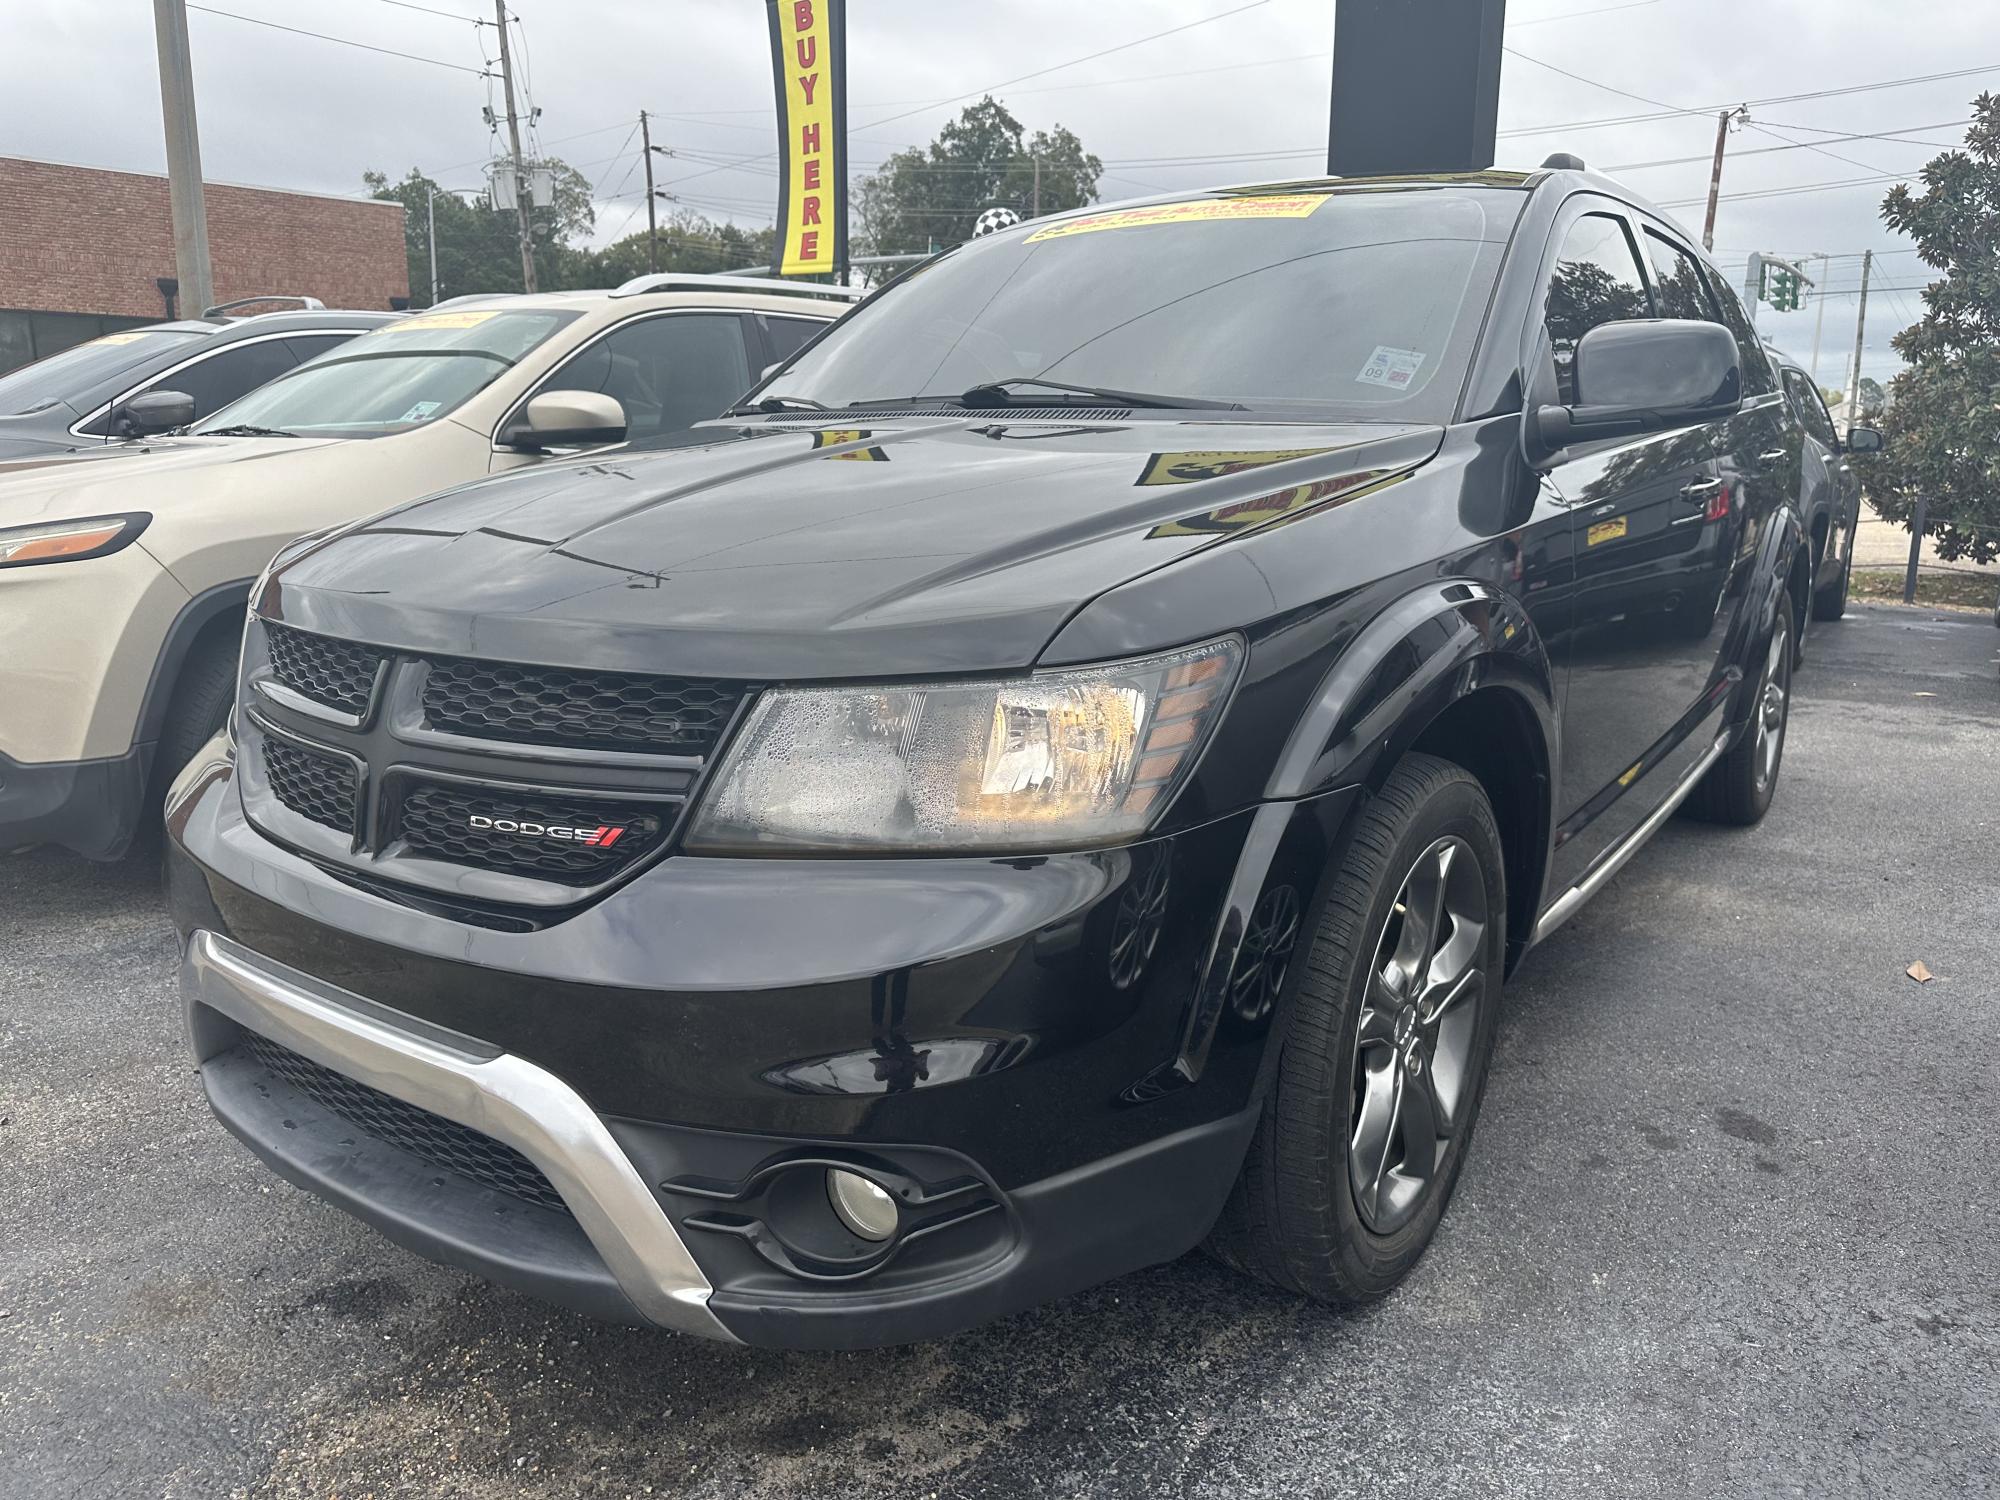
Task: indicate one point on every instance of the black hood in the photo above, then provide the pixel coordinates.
(772, 551)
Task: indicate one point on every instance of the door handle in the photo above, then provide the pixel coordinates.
(1774, 456)
(1701, 489)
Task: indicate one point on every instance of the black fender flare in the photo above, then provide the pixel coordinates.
(1434, 646)
(195, 617)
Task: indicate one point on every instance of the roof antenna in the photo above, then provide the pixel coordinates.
(1563, 161)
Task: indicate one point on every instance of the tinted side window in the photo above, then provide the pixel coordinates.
(236, 371)
(1757, 376)
(667, 372)
(1806, 401)
(307, 346)
(1596, 280)
(1677, 283)
(786, 336)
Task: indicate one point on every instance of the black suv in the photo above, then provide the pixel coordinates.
(1058, 776)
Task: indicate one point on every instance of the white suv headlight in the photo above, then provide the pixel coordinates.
(1060, 759)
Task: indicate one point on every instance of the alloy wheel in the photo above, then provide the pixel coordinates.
(1771, 704)
(1413, 1046)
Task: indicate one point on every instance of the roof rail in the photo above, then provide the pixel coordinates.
(306, 304)
(770, 286)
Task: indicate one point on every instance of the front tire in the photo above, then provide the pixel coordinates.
(1384, 1048)
(1830, 601)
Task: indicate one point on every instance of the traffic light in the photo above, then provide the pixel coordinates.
(1780, 286)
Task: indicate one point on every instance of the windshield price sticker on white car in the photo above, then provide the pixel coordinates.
(1202, 211)
(1394, 368)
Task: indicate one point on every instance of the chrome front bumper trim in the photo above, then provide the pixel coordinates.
(499, 1095)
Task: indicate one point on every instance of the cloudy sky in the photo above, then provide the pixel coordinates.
(1238, 93)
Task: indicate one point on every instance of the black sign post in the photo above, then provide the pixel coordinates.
(1416, 86)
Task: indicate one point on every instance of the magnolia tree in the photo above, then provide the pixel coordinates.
(1942, 424)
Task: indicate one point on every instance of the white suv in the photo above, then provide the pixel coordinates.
(123, 578)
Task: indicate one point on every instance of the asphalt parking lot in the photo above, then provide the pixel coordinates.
(1730, 1225)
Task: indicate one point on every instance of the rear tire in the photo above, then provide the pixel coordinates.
(1359, 1147)
(1738, 788)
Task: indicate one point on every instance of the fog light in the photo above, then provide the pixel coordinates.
(863, 1207)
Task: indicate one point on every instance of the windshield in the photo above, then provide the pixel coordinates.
(77, 370)
(394, 378)
(1327, 301)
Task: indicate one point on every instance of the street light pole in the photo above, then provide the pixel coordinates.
(431, 234)
(1860, 327)
(190, 214)
(1819, 318)
(522, 196)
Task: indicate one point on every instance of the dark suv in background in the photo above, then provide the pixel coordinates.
(1059, 776)
(120, 385)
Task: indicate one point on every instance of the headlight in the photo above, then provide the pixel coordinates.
(68, 541)
(1056, 760)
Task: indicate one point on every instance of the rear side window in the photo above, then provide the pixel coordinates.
(1596, 280)
(668, 372)
(1807, 402)
(786, 336)
(1678, 287)
(1757, 377)
(305, 346)
(232, 372)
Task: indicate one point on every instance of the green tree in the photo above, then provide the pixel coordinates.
(688, 242)
(477, 248)
(930, 197)
(1942, 425)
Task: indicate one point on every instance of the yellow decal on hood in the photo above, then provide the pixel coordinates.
(1197, 464)
(1202, 210)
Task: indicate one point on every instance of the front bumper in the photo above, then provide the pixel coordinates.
(683, 1061)
(91, 806)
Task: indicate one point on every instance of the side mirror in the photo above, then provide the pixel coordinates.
(153, 411)
(568, 419)
(1863, 440)
(1639, 376)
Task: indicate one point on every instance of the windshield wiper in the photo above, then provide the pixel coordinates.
(777, 403)
(246, 429)
(1000, 393)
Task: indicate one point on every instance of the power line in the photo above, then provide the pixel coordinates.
(340, 40)
(1682, 161)
(449, 15)
(1007, 83)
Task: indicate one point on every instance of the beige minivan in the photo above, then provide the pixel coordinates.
(123, 578)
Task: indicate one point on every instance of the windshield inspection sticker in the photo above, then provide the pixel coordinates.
(1395, 368)
(418, 412)
(1277, 206)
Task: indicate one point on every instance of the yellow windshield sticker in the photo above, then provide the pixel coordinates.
(1200, 211)
(119, 338)
(441, 320)
(1606, 531)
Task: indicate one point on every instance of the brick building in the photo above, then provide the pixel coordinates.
(81, 250)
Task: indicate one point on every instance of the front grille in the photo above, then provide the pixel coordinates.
(443, 1143)
(435, 820)
(312, 785)
(578, 710)
(339, 674)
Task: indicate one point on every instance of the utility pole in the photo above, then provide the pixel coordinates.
(1715, 173)
(1860, 327)
(1819, 317)
(431, 234)
(652, 211)
(190, 214)
(1035, 206)
(523, 198)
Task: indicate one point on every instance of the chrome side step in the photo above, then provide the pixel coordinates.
(1571, 901)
